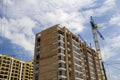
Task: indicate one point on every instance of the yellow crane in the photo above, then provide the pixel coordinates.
(95, 32)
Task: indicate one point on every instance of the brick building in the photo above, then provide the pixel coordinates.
(61, 55)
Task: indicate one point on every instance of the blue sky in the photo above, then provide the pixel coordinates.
(21, 19)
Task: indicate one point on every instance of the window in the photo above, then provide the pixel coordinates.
(78, 68)
(38, 40)
(61, 50)
(75, 43)
(60, 37)
(79, 75)
(8, 58)
(37, 50)
(4, 57)
(36, 68)
(37, 62)
(1, 76)
(76, 49)
(37, 57)
(61, 72)
(77, 62)
(36, 76)
(61, 65)
(3, 64)
(60, 44)
(5, 76)
(69, 65)
(77, 55)
(61, 57)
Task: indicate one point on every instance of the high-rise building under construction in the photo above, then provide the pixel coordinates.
(15, 69)
(61, 55)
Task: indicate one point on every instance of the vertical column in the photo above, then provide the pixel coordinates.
(21, 70)
(82, 60)
(35, 60)
(72, 58)
(11, 68)
(87, 62)
(94, 62)
(66, 53)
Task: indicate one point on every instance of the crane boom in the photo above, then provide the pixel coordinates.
(97, 46)
(100, 34)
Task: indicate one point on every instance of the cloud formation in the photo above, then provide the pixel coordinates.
(23, 16)
(20, 32)
(112, 47)
(21, 19)
(115, 19)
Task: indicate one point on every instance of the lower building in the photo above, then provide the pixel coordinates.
(15, 69)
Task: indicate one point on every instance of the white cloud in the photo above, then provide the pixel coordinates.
(107, 5)
(67, 13)
(51, 12)
(116, 77)
(22, 13)
(112, 47)
(115, 19)
(118, 59)
(19, 31)
(98, 10)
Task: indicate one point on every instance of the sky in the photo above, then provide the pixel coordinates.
(20, 20)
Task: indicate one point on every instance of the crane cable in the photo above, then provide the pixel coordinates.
(110, 64)
(109, 75)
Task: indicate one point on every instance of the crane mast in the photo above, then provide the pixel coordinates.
(97, 46)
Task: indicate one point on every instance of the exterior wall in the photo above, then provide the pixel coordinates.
(5, 67)
(46, 55)
(27, 71)
(15, 69)
(61, 55)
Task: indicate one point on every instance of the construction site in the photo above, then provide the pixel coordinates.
(61, 55)
(55, 52)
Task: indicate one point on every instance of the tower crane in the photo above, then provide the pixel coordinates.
(95, 31)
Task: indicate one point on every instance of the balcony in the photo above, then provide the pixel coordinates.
(38, 46)
(61, 37)
(61, 65)
(61, 51)
(78, 75)
(61, 74)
